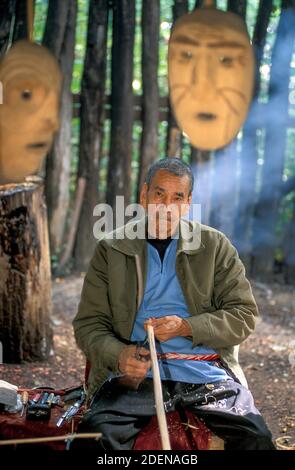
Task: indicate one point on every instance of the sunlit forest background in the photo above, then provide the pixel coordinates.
(246, 190)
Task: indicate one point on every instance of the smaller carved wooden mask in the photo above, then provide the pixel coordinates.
(29, 114)
(211, 76)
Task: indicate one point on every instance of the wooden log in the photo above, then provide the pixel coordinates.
(25, 280)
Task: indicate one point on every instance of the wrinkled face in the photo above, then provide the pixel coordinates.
(166, 200)
(29, 114)
(211, 76)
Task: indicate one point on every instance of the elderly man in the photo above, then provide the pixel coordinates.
(189, 283)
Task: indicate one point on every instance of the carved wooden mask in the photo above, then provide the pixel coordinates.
(29, 114)
(211, 76)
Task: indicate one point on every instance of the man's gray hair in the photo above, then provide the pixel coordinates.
(172, 165)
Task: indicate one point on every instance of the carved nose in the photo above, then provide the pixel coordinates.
(51, 124)
(203, 79)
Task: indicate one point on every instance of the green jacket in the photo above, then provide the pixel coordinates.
(211, 275)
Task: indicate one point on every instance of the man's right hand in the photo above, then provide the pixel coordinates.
(134, 369)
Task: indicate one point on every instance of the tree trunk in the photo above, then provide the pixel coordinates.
(7, 9)
(119, 167)
(174, 133)
(259, 37)
(201, 3)
(56, 21)
(21, 22)
(237, 6)
(200, 161)
(58, 162)
(91, 126)
(25, 284)
(225, 166)
(266, 211)
(150, 99)
(248, 160)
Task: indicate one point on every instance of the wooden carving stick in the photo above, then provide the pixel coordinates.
(35, 440)
(161, 415)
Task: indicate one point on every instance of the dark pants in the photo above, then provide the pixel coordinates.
(226, 407)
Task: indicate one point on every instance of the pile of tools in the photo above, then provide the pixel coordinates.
(39, 406)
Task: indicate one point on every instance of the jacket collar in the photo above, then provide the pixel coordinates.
(130, 244)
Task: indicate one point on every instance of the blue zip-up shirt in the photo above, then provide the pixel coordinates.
(163, 296)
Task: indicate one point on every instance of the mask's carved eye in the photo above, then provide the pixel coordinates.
(186, 55)
(226, 61)
(26, 95)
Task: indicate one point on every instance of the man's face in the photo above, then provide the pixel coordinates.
(211, 76)
(29, 115)
(166, 201)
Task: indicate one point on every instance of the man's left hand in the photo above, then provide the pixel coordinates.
(169, 327)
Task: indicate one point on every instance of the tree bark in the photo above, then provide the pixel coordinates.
(119, 167)
(174, 133)
(7, 9)
(55, 27)
(237, 6)
(25, 283)
(21, 22)
(266, 211)
(91, 126)
(58, 162)
(150, 98)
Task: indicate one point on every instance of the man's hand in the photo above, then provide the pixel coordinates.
(169, 327)
(134, 369)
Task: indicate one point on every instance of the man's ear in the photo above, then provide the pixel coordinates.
(143, 195)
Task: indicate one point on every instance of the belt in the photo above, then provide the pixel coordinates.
(172, 355)
(190, 357)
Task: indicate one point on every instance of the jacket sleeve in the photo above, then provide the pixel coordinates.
(93, 321)
(236, 311)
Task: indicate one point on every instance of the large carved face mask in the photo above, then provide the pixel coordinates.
(29, 113)
(211, 76)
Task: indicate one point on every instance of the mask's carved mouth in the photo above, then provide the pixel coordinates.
(38, 145)
(206, 116)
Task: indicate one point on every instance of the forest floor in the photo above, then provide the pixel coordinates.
(267, 356)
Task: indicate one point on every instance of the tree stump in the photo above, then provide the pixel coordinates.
(25, 278)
